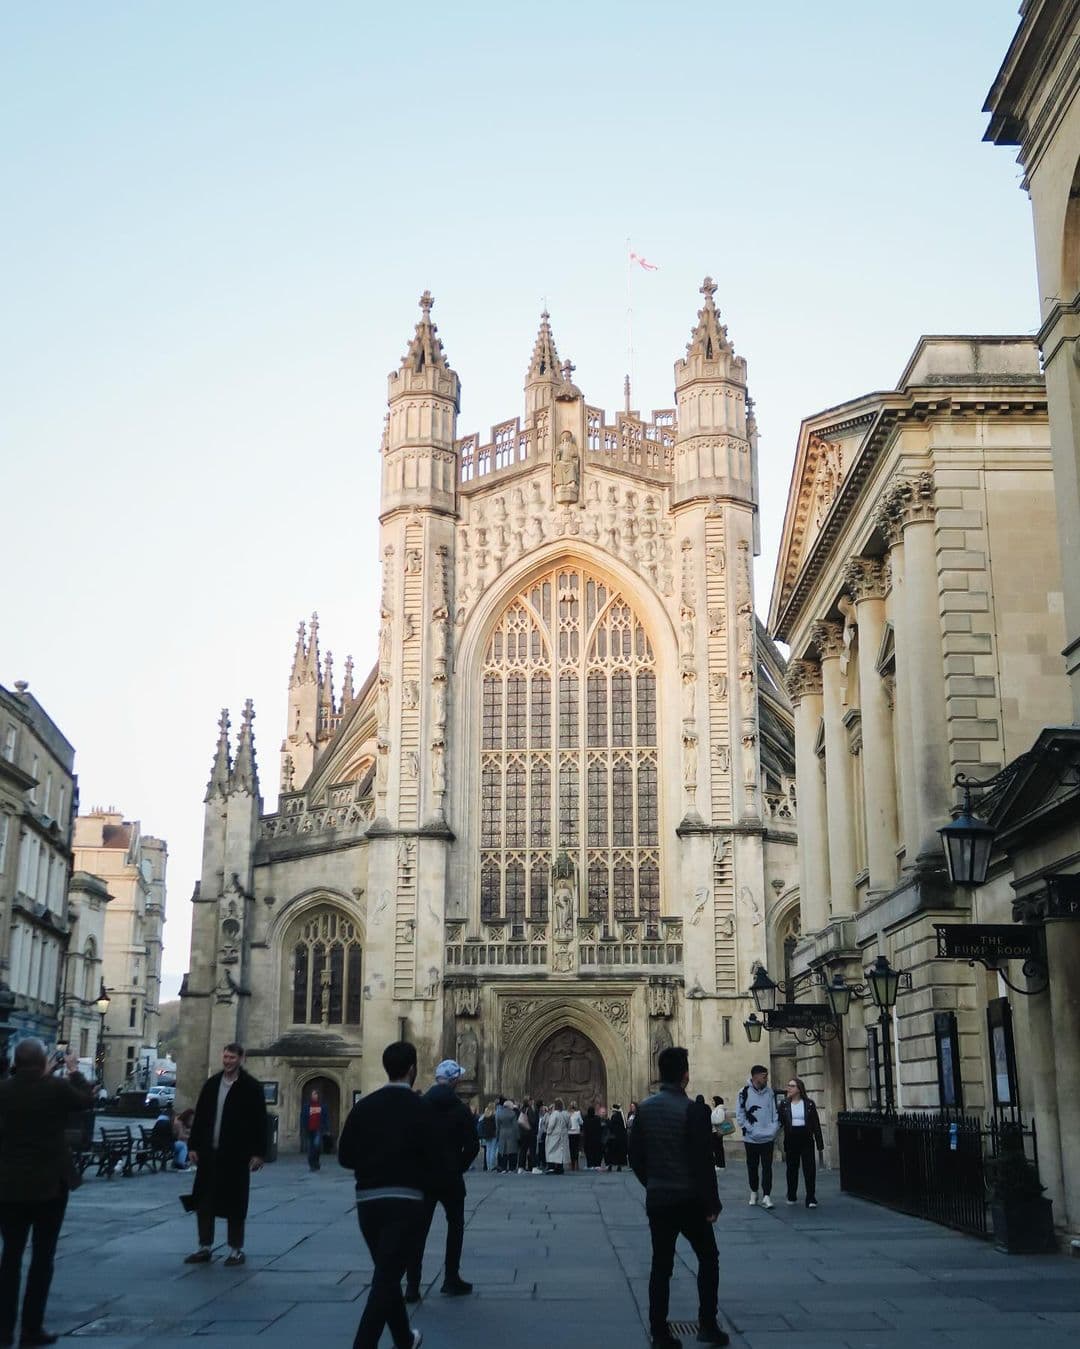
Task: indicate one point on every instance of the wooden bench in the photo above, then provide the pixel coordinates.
(115, 1149)
(158, 1156)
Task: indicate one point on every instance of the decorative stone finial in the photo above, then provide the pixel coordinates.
(426, 301)
(708, 288)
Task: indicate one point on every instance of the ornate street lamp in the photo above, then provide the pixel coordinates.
(968, 842)
(764, 990)
(101, 1006)
(838, 993)
(753, 1028)
(884, 983)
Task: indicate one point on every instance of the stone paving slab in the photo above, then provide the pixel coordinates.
(566, 1258)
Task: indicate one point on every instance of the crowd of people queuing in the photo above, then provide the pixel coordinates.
(409, 1153)
(531, 1137)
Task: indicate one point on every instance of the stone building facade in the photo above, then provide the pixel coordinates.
(924, 627)
(84, 968)
(38, 796)
(555, 828)
(132, 866)
(1034, 105)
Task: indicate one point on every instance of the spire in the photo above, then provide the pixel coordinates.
(626, 392)
(245, 775)
(312, 667)
(221, 773)
(347, 691)
(297, 675)
(425, 350)
(545, 359)
(709, 339)
(326, 688)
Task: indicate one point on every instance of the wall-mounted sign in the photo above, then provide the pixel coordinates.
(988, 943)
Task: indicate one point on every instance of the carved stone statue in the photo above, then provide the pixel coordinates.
(562, 906)
(567, 469)
(467, 1052)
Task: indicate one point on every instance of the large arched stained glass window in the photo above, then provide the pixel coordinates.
(568, 755)
(327, 988)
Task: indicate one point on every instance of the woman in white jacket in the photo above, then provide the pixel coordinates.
(557, 1140)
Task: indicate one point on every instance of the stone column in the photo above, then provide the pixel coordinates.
(865, 580)
(839, 796)
(909, 503)
(1063, 960)
(804, 690)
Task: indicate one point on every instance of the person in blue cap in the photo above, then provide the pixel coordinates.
(457, 1144)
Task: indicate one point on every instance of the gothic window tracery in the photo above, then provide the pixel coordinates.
(568, 755)
(326, 969)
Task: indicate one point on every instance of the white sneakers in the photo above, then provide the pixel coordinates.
(753, 1198)
(766, 1202)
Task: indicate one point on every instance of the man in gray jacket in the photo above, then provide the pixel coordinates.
(757, 1117)
(671, 1154)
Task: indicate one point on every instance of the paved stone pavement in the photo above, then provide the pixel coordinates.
(562, 1260)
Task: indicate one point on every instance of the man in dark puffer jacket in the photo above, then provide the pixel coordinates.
(456, 1141)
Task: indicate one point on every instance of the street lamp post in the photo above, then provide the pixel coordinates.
(101, 1006)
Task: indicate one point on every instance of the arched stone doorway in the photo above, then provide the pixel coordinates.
(330, 1096)
(568, 1065)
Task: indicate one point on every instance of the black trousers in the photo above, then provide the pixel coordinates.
(44, 1218)
(799, 1148)
(454, 1208)
(759, 1154)
(665, 1227)
(205, 1210)
(391, 1228)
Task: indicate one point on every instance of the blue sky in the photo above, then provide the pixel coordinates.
(218, 219)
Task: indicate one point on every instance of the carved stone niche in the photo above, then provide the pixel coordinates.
(466, 999)
(660, 996)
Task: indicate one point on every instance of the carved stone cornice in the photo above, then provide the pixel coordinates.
(828, 638)
(803, 680)
(864, 578)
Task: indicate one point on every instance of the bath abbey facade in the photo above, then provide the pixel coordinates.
(554, 828)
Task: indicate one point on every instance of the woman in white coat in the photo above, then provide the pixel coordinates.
(557, 1140)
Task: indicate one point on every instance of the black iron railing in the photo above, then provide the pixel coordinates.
(928, 1165)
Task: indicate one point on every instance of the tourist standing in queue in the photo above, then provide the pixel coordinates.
(457, 1145)
(592, 1134)
(574, 1133)
(541, 1138)
(757, 1118)
(671, 1154)
(315, 1126)
(557, 1140)
(228, 1140)
(506, 1124)
(802, 1137)
(616, 1147)
(489, 1136)
(388, 1142)
(36, 1176)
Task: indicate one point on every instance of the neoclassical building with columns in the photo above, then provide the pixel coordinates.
(924, 625)
(553, 831)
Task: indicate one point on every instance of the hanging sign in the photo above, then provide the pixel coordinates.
(988, 943)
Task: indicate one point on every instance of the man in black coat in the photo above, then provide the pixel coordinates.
(227, 1143)
(36, 1171)
(671, 1154)
(455, 1138)
(389, 1143)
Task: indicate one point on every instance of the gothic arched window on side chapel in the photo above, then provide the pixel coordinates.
(327, 987)
(568, 755)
